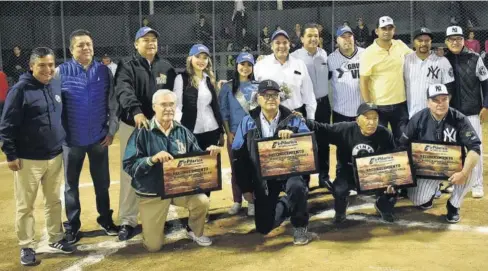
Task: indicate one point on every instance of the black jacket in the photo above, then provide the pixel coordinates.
(454, 128)
(190, 98)
(136, 82)
(31, 126)
(466, 96)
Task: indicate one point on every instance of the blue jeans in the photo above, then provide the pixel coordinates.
(73, 158)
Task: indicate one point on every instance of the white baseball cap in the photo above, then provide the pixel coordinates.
(436, 90)
(454, 31)
(384, 21)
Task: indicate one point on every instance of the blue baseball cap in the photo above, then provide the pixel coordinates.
(342, 30)
(144, 30)
(243, 57)
(280, 32)
(199, 48)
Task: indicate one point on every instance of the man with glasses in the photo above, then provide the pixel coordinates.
(470, 94)
(270, 119)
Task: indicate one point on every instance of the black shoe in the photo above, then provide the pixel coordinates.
(452, 213)
(61, 247)
(110, 229)
(325, 183)
(72, 237)
(403, 193)
(27, 257)
(339, 218)
(428, 205)
(385, 216)
(125, 232)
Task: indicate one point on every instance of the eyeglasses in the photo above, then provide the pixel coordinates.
(273, 96)
(457, 39)
(166, 105)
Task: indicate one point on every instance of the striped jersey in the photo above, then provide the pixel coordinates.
(420, 74)
(346, 95)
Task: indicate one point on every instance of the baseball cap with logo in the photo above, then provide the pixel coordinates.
(144, 30)
(199, 48)
(422, 31)
(436, 90)
(243, 57)
(268, 85)
(384, 21)
(280, 32)
(454, 31)
(342, 30)
(365, 107)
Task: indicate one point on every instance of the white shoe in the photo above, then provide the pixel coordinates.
(450, 188)
(250, 209)
(236, 207)
(353, 193)
(477, 192)
(203, 240)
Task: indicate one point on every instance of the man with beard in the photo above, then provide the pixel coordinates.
(381, 76)
(470, 95)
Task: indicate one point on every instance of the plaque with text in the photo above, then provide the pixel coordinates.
(191, 173)
(436, 160)
(283, 158)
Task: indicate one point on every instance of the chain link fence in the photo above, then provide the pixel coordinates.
(226, 27)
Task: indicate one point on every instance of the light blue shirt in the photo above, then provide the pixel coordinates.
(318, 70)
(268, 129)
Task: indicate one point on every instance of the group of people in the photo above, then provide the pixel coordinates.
(55, 116)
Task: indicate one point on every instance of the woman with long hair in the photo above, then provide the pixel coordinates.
(235, 103)
(197, 106)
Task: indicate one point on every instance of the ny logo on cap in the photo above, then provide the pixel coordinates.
(201, 48)
(438, 88)
(246, 57)
(454, 29)
(270, 83)
(423, 30)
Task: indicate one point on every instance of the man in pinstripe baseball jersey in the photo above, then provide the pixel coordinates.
(441, 123)
(423, 68)
(470, 95)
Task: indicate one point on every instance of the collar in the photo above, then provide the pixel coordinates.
(79, 64)
(154, 124)
(277, 61)
(378, 48)
(353, 53)
(275, 120)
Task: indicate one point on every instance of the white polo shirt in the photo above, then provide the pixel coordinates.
(295, 75)
(318, 69)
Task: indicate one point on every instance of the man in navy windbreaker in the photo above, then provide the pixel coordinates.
(90, 120)
(32, 136)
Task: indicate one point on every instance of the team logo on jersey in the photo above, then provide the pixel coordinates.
(482, 71)
(57, 98)
(161, 80)
(181, 146)
(449, 135)
(348, 67)
(362, 149)
(434, 72)
(451, 72)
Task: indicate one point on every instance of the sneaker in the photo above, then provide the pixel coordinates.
(250, 209)
(27, 257)
(110, 229)
(61, 247)
(339, 218)
(203, 240)
(125, 232)
(236, 207)
(477, 192)
(428, 205)
(72, 237)
(449, 188)
(300, 236)
(385, 216)
(353, 193)
(452, 213)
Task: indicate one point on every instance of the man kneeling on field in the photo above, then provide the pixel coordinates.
(441, 123)
(270, 119)
(145, 152)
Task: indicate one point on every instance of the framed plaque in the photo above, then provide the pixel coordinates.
(376, 172)
(436, 160)
(191, 173)
(283, 158)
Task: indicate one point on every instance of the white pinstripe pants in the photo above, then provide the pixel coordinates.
(477, 174)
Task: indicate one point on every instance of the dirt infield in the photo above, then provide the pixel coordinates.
(418, 241)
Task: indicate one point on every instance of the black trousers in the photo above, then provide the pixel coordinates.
(396, 115)
(272, 210)
(344, 182)
(207, 139)
(336, 118)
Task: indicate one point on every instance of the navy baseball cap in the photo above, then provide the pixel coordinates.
(243, 57)
(199, 48)
(280, 32)
(342, 30)
(365, 107)
(268, 85)
(144, 30)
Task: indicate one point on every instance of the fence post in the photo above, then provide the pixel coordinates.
(63, 36)
(259, 27)
(140, 13)
(411, 22)
(213, 39)
(332, 27)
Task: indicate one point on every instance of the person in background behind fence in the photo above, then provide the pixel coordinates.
(17, 63)
(235, 103)
(361, 34)
(90, 119)
(136, 80)
(107, 61)
(471, 43)
(32, 136)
